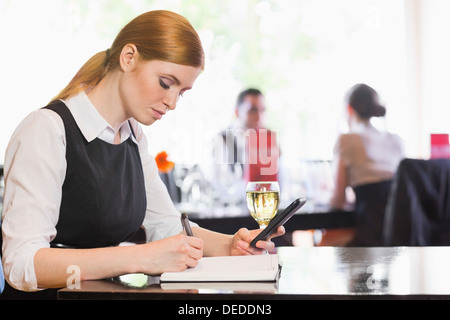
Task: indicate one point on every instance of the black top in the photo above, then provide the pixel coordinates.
(103, 195)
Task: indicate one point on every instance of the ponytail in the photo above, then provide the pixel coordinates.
(89, 75)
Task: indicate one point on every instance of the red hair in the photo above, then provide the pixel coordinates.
(158, 35)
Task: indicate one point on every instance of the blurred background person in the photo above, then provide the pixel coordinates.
(366, 160)
(245, 151)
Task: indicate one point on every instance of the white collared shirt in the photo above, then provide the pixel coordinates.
(35, 168)
(91, 123)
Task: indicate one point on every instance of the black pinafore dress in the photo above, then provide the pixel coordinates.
(103, 195)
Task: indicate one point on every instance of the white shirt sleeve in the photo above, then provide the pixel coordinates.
(35, 168)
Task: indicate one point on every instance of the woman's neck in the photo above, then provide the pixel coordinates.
(105, 97)
(356, 123)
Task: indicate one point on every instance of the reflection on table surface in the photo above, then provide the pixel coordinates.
(366, 271)
(307, 273)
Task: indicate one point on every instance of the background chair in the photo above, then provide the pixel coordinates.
(418, 209)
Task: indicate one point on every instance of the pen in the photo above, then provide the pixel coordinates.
(186, 225)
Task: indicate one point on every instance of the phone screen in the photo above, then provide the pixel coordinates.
(279, 220)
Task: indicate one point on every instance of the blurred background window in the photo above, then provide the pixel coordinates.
(303, 54)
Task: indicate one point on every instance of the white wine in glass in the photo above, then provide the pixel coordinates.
(262, 201)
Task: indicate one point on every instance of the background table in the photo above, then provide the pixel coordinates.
(307, 273)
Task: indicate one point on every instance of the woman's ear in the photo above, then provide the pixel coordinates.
(128, 57)
(350, 110)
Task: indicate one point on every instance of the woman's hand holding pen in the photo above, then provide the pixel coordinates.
(175, 253)
(240, 244)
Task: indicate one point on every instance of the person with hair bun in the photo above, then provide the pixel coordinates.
(366, 160)
(79, 179)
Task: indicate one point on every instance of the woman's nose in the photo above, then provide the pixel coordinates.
(171, 100)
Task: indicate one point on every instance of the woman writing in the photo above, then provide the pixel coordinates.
(78, 176)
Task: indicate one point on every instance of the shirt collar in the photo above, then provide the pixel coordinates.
(91, 122)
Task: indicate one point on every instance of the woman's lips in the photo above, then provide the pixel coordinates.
(158, 114)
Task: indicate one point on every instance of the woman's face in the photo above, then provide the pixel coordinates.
(152, 88)
(251, 111)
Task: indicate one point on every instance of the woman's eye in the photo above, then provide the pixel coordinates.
(163, 84)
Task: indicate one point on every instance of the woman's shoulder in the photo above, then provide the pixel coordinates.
(395, 137)
(347, 144)
(395, 142)
(349, 138)
(42, 121)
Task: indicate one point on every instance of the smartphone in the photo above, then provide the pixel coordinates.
(279, 220)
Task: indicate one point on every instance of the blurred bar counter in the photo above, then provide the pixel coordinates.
(318, 218)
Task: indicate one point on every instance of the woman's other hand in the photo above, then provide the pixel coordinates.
(240, 244)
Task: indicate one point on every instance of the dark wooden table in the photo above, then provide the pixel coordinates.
(307, 273)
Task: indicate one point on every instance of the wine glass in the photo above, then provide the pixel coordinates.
(262, 201)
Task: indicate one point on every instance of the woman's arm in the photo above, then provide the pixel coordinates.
(54, 267)
(34, 173)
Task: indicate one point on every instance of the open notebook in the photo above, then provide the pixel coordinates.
(229, 269)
